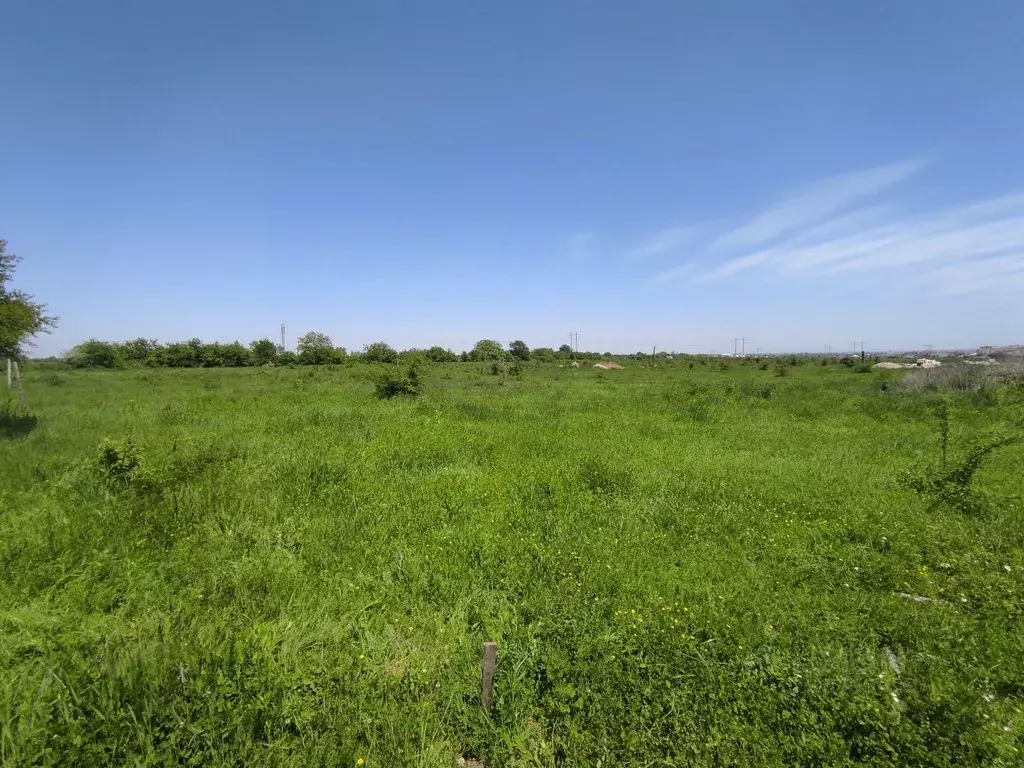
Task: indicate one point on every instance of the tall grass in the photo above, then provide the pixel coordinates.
(681, 566)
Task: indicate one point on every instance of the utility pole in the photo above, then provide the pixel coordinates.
(744, 340)
(282, 337)
(735, 345)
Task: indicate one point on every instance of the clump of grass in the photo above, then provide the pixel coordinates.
(14, 422)
(951, 378)
(760, 389)
(950, 483)
(119, 463)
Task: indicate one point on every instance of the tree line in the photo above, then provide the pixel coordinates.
(313, 348)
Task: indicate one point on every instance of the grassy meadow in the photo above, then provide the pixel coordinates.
(707, 566)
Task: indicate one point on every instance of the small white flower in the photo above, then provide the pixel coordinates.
(989, 698)
(1007, 568)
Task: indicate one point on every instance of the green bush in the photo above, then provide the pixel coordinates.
(119, 462)
(95, 354)
(390, 384)
(487, 349)
(380, 352)
(441, 355)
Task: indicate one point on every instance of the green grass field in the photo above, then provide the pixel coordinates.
(708, 567)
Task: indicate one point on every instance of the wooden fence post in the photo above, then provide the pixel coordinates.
(487, 676)
(21, 389)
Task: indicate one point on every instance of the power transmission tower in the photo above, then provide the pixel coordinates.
(735, 345)
(574, 341)
(282, 337)
(744, 347)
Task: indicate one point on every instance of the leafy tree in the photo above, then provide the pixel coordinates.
(564, 351)
(181, 354)
(544, 354)
(487, 349)
(21, 317)
(380, 352)
(441, 355)
(264, 351)
(95, 354)
(316, 348)
(137, 351)
(235, 355)
(519, 350)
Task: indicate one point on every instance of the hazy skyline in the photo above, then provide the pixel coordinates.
(658, 173)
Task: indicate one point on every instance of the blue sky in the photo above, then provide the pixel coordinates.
(647, 173)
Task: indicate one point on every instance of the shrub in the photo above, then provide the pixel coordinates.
(264, 351)
(380, 352)
(441, 355)
(516, 369)
(316, 348)
(95, 354)
(487, 349)
(496, 368)
(137, 351)
(782, 370)
(953, 378)
(391, 384)
(119, 462)
(544, 354)
(519, 350)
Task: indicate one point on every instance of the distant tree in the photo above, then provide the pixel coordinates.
(565, 351)
(519, 350)
(183, 354)
(95, 354)
(487, 349)
(316, 348)
(287, 358)
(235, 355)
(544, 354)
(264, 351)
(21, 317)
(137, 351)
(380, 352)
(463, 356)
(441, 355)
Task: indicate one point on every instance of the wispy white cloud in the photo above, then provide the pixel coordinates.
(665, 241)
(999, 273)
(836, 227)
(817, 202)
